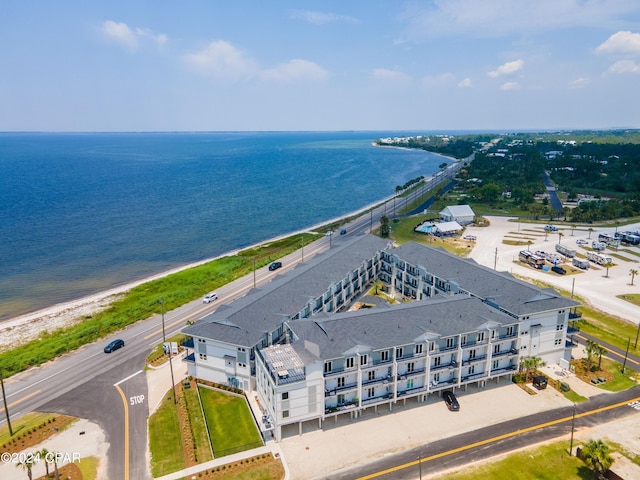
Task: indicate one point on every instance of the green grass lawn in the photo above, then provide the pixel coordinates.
(549, 462)
(165, 440)
(198, 426)
(230, 422)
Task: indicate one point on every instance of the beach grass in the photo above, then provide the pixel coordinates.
(143, 301)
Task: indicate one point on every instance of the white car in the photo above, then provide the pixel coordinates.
(470, 237)
(581, 241)
(210, 297)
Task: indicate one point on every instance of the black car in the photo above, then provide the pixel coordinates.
(343, 231)
(451, 400)
(558, 270)
(540, 382)
(275, 266)
(113, 346)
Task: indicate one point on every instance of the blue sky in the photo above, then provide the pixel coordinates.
(319, 65)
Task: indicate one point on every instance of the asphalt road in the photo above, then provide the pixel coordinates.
(460, 450)
(111, 389)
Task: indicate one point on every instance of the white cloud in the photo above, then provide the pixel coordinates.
(296, 70)
(507, 68)
(466, 83)
(579, 82)
(435, 81)
(223, 61)
(121, 33)
(510, 86)
(391, 76)
(321, 18)
(624, 66)
(621, 42)
(130, 38)
(495, 18)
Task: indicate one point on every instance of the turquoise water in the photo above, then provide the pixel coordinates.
(81, 213)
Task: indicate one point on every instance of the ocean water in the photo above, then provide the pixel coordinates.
(81, 213)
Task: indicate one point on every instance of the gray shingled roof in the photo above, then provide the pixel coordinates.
(400, 325)
(267, 307)
(511, 294)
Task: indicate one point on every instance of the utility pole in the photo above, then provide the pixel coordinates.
(164, 341)
(254, 272)
(635, 345)
(573, 424)
(371, 228)
(302, 249)
(624, 365)
(6, 408)
(495, 259)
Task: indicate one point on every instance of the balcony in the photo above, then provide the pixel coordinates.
(476, 359)
(402, 376)
(331, 392)
(512, 351)
(378, 399)
(441, 385)
(410, 391)
(442, 366)
(386, 379)
(509, 368)
(473, 376)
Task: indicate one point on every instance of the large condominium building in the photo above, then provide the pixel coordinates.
(456, 323)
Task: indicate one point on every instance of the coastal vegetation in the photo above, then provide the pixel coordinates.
(148, 299)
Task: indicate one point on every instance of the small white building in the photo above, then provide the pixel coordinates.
(463, 214)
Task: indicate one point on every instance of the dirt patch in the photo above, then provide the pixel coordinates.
(23, 440)
(70, 471)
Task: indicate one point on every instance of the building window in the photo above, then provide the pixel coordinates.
(436, 378)
(436, 361)
(496, 349)
(203, 356)
(410, 383)
(472, 354)
(371, 392)
(450, 342)
(431, 346)
(285, 413)
(399, 352)
(495, 364)
(350, 362)
(285, 395)
(341, 399)
(510, 331)
(340, 381)
(463, 340)
(411, 367)
(372, 375)
(328, 366)
(481, 337)
(384, 356)
(418, 348)
(472, 369)
(363, 360)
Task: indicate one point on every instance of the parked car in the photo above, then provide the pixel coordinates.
(470, 237)
(550, 228)
(113, 346)
(275, 266)
(581, 241)
(540, 382)
(450, 400)
(559, 270)
(210, 297)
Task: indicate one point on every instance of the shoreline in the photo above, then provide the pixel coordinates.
(27, 326)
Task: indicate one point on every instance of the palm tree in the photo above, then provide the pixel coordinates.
(600, 351)
(608, 265)
(44, 455)
(590, 230)
(633, 273)
(530, 363)
(591, 349)
(560, 235)
(596, 455)
(27, 464)
(573, 227)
